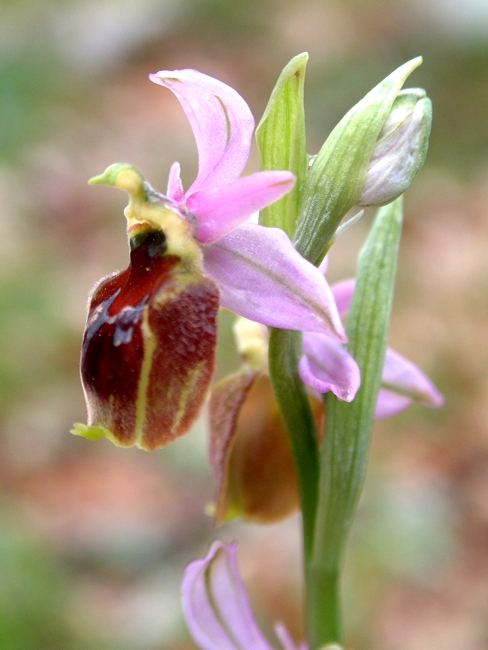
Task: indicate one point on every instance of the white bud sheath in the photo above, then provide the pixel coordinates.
(400, 150)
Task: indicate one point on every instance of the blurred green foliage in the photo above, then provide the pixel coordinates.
(35, 594)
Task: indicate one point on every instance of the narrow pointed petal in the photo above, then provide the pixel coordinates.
(175, 186)
(390, 403)
(262, 277)
(220, 209)
(215, 603)
(221, 121)
(327, 366)
(342, 292)
(403, 383)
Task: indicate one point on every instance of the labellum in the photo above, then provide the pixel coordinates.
(249, 450)
(149, 344)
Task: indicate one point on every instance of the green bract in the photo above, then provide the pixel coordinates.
(337, 176)
(280, 136)
(345, 450)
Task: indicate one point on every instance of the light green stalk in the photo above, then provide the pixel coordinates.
(345, 450)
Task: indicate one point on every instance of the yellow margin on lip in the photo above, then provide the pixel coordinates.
(191, 382)
(141, 401)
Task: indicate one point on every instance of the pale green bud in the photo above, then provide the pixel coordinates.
(400, 150)
(335, 180)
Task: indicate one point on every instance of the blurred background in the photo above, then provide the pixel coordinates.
(93, 539)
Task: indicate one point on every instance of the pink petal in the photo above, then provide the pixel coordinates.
(390, 403)
(324, 265)
(221, 121)
(175, 186)
(215, 603)
(403, 382)
(262, 277)
(220, 209)
(342, 292)
(327, 366)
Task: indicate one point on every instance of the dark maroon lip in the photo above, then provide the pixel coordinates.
(153, 318)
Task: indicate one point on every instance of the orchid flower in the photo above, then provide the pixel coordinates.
(259, 273)
(149, 344)
(326, 365)
(217, 608)
(249, 449)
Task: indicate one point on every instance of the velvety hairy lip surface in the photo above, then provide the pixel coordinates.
(148, 350)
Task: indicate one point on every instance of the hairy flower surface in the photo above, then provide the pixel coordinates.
(217, 608)
(149, 343)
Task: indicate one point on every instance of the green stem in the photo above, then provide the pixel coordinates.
(284, 354)
(330, 482)
(324, 612)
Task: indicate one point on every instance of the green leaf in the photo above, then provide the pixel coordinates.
(348, 430)
(337, 176)
(280, 137)
(344, 454)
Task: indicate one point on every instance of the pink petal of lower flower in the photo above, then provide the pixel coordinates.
(220, 209)
(342, 292)
(215, 603)
(221, 121)
(262, 277)
(327, 366)
(390, 403)
(403, 382)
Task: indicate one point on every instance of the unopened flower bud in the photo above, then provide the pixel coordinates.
(400, 150)
(336, 179)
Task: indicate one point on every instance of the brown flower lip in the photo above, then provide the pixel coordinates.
(149, 345)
